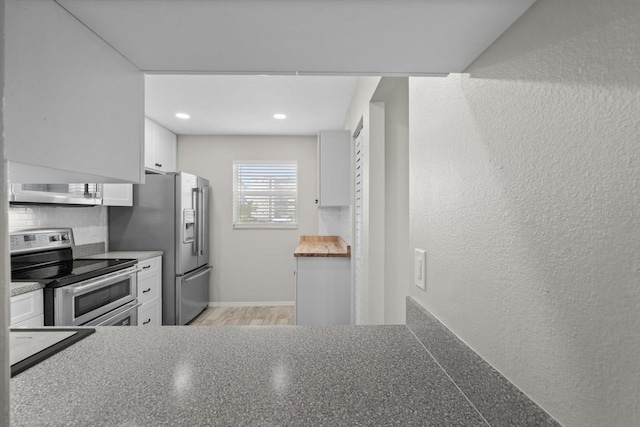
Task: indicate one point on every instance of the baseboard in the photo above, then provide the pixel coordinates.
(499, 401)
(252, 304)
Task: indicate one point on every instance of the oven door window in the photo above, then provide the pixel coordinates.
(93, 300)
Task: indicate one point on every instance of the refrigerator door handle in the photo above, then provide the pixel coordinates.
(201, 221)
(196, 234)
(202, 273)
(196, 194)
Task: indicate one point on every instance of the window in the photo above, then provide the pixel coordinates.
(265, 194)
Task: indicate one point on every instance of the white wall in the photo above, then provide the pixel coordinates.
(398, 258)
(365, 89)
(251, 265)
(388, 237)
(335, 221)
(89, 224)
(525, 189)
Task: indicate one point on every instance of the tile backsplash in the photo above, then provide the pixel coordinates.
(89, 224)
(335, 221)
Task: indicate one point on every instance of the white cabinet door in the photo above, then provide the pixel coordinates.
(149, 143)
(117, 194)
(323, 291)
(74, 107)
(160, 148)
(166, 150)
(334, 159)
(27, 309)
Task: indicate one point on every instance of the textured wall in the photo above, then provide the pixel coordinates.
(525, 188)
(251, 265)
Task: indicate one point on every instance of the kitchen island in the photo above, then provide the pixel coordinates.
(374, 375)
(414, 374)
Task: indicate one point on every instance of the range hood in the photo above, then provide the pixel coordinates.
(57, 194)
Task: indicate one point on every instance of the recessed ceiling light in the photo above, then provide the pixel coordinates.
(183, 116)
(279, 116)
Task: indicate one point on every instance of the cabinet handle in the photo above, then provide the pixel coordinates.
(146, 290)
(146, 266)
(144, 323)
(158, 165)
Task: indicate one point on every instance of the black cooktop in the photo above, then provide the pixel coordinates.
(53, 270)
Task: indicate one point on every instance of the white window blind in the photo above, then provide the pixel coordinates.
(265, 194)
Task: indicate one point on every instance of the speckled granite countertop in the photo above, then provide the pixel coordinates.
(19, 288)
(139, 255)
(294, 376)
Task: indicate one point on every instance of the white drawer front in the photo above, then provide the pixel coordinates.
(26, 306)
(149, 314)
(149, 267)
(148, 289)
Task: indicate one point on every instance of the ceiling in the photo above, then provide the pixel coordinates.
(245, 105)
(285, 38)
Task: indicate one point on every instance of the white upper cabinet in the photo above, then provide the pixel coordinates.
(74, 106)
(160, 147)
(334, 159)
(117, 194)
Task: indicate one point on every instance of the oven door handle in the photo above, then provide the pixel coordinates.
(98, 283)
(129, 307)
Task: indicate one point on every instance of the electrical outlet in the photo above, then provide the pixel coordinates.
(420, 268)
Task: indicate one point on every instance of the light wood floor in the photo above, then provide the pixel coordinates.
(226, 316)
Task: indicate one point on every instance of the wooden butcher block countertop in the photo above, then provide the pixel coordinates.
(322, 246)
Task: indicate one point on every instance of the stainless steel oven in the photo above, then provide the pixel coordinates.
(127, 315)
(85, 302)
(76, 291)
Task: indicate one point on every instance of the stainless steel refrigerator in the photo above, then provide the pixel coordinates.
(170, 213)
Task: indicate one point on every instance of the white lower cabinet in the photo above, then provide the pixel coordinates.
(323, 291)
(27, 310)
(150, 292)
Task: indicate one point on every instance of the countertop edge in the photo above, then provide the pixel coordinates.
(139, 255)
(19, 288)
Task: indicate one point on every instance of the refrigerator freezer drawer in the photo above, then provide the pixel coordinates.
(192, 294)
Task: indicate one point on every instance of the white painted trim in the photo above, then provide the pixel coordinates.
(252, 304)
